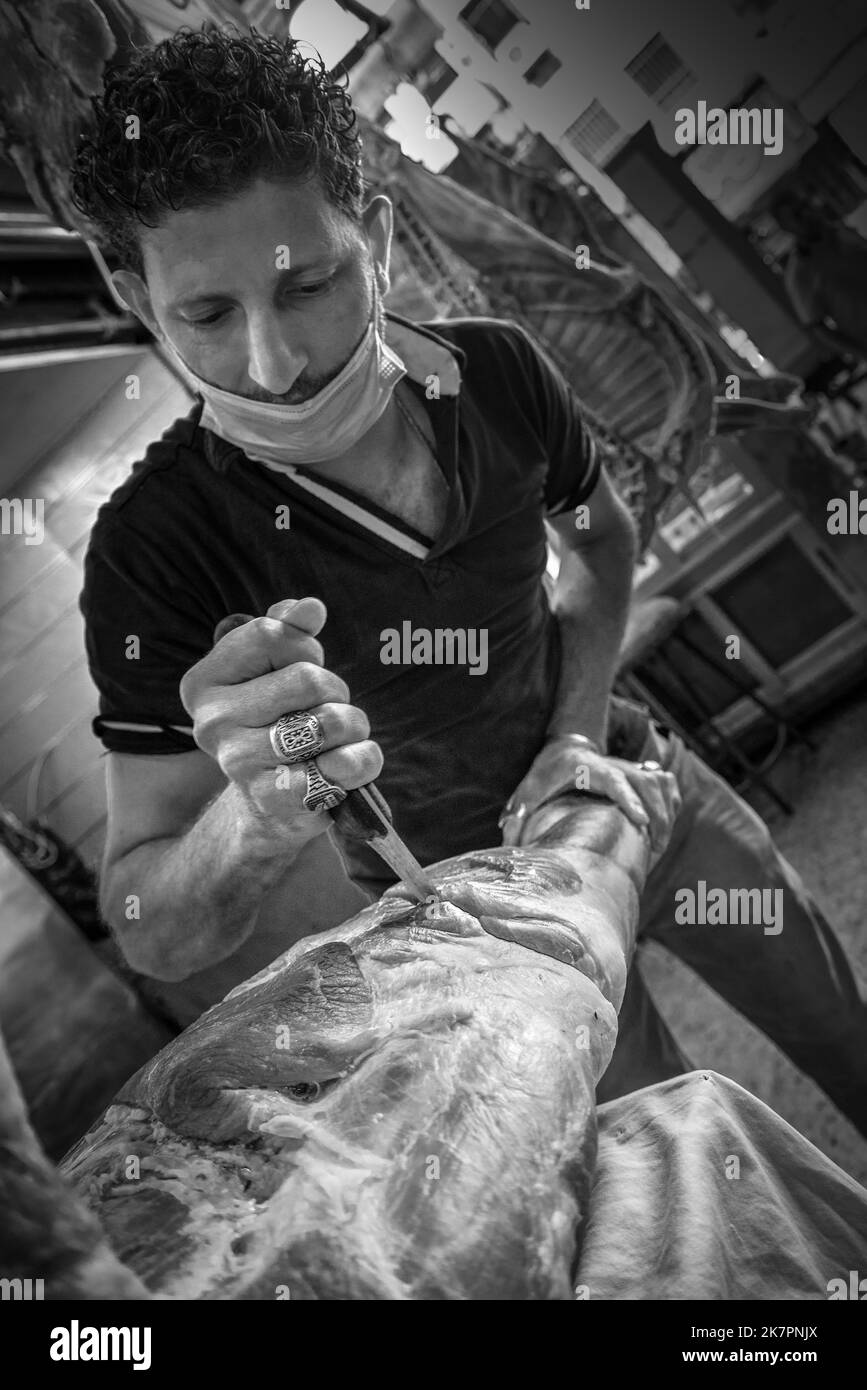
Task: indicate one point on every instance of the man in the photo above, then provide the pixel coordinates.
(416, 466)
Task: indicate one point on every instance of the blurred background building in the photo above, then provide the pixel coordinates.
(600, 100)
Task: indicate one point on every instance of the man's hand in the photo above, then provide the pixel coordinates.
(648, 798)
(269, 667)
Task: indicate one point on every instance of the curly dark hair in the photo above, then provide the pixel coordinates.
(217, 110)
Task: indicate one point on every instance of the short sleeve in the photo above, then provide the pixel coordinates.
(574, 457)
(143, 632)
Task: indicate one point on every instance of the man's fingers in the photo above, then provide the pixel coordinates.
(649, 788)
(341, 723)
(353, 765)
(512, 823)
(283, 785)
(300, 687)
(615, 784)
(259, 646)
(663, 800)
(257, 704)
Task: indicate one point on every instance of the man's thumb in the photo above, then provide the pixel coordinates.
(307, 614)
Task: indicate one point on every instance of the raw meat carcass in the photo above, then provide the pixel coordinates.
(399, 1108)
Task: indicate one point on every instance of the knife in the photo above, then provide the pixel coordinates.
(364, 814)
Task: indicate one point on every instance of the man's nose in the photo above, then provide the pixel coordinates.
(272, 363)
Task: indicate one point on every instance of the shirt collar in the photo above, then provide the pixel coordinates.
(424, 352)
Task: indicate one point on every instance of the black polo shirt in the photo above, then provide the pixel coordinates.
(191, 535)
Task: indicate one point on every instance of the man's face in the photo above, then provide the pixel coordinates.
(267, 295)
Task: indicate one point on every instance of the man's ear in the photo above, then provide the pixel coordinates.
(132, 289)
(378, 220)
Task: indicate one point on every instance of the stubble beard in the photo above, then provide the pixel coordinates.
(300, 395)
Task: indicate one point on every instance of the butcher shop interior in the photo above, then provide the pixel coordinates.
(433, 635)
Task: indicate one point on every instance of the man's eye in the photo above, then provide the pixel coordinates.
(307, 290)
(316, 288)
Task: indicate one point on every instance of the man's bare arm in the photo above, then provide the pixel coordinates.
(193, 849)
(186, 892)
(591, 601)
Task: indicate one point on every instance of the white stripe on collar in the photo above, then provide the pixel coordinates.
(422, 358)
(369, 520)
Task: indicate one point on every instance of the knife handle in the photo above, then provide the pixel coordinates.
(358, 819)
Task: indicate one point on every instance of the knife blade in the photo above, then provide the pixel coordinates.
(366, 815)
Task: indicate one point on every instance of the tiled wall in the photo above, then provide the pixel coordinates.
(47, 698)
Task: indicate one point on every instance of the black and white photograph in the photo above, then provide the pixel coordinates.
(433, 670)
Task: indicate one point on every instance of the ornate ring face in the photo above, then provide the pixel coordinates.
(296, 737)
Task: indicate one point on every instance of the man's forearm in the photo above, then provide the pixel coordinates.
(591, 602)
(181, 904)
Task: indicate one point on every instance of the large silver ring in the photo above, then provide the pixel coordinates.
(321, 795)
(650, 767)
(296, 737)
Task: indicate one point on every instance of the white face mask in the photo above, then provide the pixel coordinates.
(324, 427)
